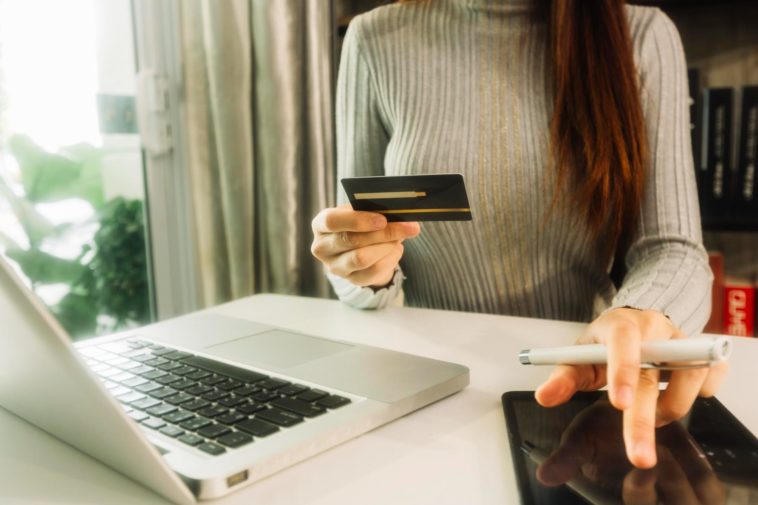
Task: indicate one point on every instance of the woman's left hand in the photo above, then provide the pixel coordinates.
(631, 389)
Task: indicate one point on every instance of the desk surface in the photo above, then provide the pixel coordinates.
(454, 451)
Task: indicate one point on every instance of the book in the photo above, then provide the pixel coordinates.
(715, 164)
(745, 203)
(739, 308)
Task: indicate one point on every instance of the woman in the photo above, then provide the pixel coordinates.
(569, 122)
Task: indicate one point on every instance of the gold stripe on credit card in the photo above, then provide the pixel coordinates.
(390, 194)
(420, 211)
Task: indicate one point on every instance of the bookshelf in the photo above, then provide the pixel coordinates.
(721, 44)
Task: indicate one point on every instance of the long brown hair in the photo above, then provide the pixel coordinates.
(597, 130)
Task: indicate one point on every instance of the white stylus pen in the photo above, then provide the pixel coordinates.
(653, 352)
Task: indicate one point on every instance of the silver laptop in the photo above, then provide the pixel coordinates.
(202, 405)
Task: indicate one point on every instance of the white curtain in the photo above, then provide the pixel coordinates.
(259, 94)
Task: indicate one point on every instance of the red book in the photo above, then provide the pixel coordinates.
(716, 322)
(739, 309)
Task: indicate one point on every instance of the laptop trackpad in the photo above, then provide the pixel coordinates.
(277, 349)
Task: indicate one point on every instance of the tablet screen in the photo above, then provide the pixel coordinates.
(574, 454)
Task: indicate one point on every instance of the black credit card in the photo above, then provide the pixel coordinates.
(435, 197)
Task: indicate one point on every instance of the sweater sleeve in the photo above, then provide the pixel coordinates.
(667, 266)
(362, 140)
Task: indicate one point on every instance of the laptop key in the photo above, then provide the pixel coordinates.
(298, 407)
(215, 395)
(279, 417)
(118, 360)
(179, 398)
(228, 385)
(246, 390)
(196, 404)
(111, 385)
(212, 379)
(123, 377)
(231, 418)
(162, 351)
(257, 427)
(272, 384)
(240, 374)
(235, 439)
(161, 410)
(198, 374)
(154, 423)
(213, 411)
(91, 351)
(190, 439)
(213, 430)
(333, 401)
(292, 390)
(147, 387)
(232, 401)
(211, 448)
(264, 396)
(195, 424)
(250, 408)
(143, 358)
(199, 389)
(118, 390)
(172, 431)
(130, 397)
(312, 395)
(137, 415)
(177, 355)
(153, 374)
(171, 365)
(134, 353)
(178, 417)
(145, 403)
(129, 365)
(143, 371)
(184, 383)
(164, 392)
(155, 362)
(167, 378)
(185, 370)
(134, 382)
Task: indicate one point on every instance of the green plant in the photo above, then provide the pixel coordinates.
(107, 280)
(119, 267)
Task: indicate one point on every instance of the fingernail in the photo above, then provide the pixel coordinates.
(624, 396)
(411, 227)
(643, 451)
(379, 222)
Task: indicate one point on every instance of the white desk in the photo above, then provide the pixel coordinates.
(452, 452)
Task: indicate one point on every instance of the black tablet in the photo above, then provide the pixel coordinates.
(574, 454)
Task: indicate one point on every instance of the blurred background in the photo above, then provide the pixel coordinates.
(161, 156)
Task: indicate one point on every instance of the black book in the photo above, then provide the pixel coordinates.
(745, 208)
(693, 79)
(715, 166)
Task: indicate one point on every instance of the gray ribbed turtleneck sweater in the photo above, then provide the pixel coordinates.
(447, 86)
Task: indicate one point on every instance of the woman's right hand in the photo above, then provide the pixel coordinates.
(360, 246)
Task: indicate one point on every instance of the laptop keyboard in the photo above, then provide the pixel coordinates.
(203, 403)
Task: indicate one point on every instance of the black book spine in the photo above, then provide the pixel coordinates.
(715, 174)
(745, 198)
(693, 79)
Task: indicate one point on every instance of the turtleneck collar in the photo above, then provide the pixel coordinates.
(505, 6)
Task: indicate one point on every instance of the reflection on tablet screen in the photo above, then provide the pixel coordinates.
(574, 453)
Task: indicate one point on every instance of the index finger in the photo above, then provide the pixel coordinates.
(623, 364)
(344, 218)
